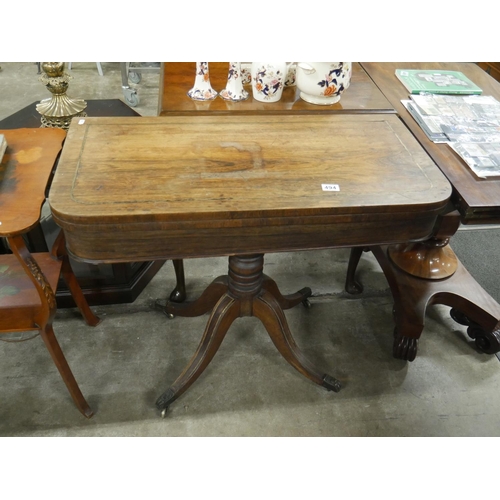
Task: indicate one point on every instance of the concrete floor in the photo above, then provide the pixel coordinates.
(127, 361)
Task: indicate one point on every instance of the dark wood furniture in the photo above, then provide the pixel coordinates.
(103, 283)
(28, 280)
(242, 186)
(430, 273)
(492, 68)
(177, 78)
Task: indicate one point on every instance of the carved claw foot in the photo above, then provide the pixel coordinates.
(404, 347)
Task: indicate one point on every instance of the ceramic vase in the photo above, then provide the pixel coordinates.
(234, 90)
(202, 90)
(291, 75)
(246, 73)
(268, 80)
(323, 83)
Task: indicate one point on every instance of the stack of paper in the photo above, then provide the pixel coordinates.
(469, 124)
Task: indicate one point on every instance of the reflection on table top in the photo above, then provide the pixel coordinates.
(177, 78)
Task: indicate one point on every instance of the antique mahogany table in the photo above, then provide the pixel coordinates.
(362, 96)
(242, 186)
(429, 272)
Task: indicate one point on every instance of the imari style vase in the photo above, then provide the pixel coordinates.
(202, 90)
(268, 80)
(234, 90)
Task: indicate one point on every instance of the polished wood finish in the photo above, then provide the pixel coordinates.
(429, 272)
(477, 200)
(169, 187)
(492, 68)
(177, 78)
(241, 186)
(28, 281)
(431, 259)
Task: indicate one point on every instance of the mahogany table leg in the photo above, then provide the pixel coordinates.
(286, 301)
(268, 310)
(351, 285)
(179, 292)
(226, 311)
(47, 334)
(205, 303)
(428, 272)
(470, 303)
(245, 291)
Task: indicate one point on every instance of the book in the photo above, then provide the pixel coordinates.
(3, 146)
(418, 81)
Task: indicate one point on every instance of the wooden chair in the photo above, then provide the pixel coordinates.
(28, 281)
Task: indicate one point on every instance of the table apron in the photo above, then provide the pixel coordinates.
(137, 242)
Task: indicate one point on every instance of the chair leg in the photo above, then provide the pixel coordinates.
(48, 336)
(77, 294)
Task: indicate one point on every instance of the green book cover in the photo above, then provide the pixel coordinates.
(418, 81)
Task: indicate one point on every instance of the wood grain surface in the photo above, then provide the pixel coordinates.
(173, 184)
(25, 171)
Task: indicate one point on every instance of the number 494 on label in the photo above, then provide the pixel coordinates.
(330, 187)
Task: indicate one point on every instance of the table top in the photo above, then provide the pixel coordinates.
(478, 200)
(24, 175)
(208, 176)
(177, 78)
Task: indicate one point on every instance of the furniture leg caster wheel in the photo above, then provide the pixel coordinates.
(473, 331)
(307, 303)
(130, 96)
(160, 307)
(459, 317)
(134, 77)
(487, 342)
(332, 384)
